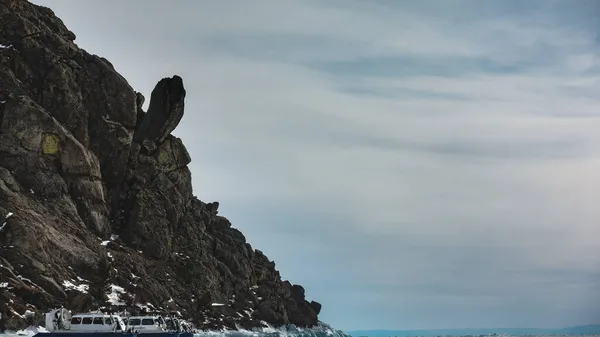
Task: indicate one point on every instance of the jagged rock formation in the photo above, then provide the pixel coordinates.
(96, 194)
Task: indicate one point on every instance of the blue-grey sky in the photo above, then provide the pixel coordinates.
(413, 164)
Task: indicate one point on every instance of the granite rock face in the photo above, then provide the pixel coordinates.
(96, 203)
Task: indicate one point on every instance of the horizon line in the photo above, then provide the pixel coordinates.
(496, 328)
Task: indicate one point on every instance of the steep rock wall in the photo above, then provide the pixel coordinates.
(96, 203)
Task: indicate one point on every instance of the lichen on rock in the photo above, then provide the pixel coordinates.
(50, 143)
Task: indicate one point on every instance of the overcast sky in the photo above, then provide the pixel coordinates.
(413, 164)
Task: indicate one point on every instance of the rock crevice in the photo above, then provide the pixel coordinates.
(96, 195)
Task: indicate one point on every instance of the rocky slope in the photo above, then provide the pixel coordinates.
(96, 203)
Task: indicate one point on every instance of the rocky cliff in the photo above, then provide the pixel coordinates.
(96, 203)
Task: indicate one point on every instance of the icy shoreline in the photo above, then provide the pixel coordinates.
(319, 331)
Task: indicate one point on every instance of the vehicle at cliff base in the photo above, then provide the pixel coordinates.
(60, 322)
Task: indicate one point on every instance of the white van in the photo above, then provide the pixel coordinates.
(61, 320)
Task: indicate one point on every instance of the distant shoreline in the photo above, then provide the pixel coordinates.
(575, 330)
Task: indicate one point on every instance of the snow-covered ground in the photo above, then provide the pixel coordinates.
(321, 331)
(29, 332)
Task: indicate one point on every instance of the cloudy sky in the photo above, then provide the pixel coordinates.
(413, 164)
